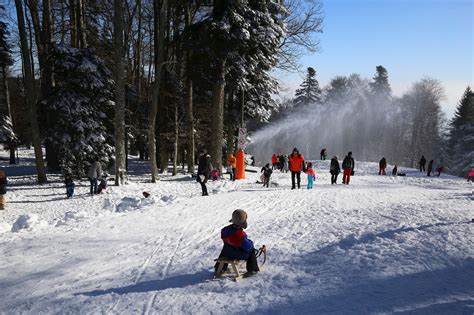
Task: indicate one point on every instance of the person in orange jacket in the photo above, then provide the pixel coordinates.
(232, 162)
(296, 166)
(274, 161)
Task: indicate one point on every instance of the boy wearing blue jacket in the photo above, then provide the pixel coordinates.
(236, 243)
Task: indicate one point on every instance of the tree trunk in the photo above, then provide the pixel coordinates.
(29, 91)
(217, 114)
(160, 18)
(189, 104)
(138, 50)
(119, 73)
(11, 143)
(73, 23)
(81, 23)
(176, 141)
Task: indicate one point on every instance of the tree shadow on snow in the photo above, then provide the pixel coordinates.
(174, 282)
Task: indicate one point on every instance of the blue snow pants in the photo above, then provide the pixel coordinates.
(310, 181)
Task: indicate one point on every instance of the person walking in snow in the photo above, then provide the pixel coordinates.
(68, 181)
(103, 184)
(311, 175)
(204, 171)
(296, 166)
(348, 168)
(237, 246)
(430, 167)
(440, 170)
(3, 189)
(95, 170)
(267, 172)
(382, 166)
(334, 169)
(422, 163)
(323, 154)
(281, 162)
(274, 161)
(232, 163)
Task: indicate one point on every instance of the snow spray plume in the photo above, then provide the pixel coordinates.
(348, 120)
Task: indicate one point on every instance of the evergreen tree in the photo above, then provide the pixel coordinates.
(379, 86)
(309, 93)
(461, 136)
(81, 104)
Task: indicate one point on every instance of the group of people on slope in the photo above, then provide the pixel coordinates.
(97, 180)
(280, 162)
(422, 163)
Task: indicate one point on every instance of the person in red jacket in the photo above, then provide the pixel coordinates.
(236, 243)
(274, 161)
(296, 166)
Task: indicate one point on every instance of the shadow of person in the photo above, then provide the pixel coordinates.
(178, 281)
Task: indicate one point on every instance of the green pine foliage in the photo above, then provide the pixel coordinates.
(461, 137)
(310, 92)
(81, 105)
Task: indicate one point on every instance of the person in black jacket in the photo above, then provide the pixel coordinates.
(3, 188)
(422, 163)
(204, 171)
(348, 168)
(267, 172)
(382, 166)
(430, 167)
(334, 169)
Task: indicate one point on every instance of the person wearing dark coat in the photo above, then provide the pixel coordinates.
(348, 168)
(395, 171)
(334, 169)
(267, 172)
(3, 189)
(382, 166)
(69, 182)
(430, 167)
(323, 154)
(422, 163)
(204, 172)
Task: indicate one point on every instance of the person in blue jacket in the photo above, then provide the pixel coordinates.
(236, 243)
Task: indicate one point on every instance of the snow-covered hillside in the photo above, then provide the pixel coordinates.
(382, 244)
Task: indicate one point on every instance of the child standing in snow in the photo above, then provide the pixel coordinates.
(267, 172)
(69, 185)
(3, 189)
(237, 246)
(103, 184)
(311, 175)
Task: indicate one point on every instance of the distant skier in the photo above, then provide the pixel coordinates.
(204, 171)
(395, 171)
(267, 172)
(3, 189)
(236, 243)
(422, 163)
(323, 154)
(311, 175)
(348, 168)
(382, 166)
(285, 163)
(232, 164)
(430, 167)
(296, 166)
(281, 162)
(68, 181)
(274, 161)
(334, 169)
(95, 170)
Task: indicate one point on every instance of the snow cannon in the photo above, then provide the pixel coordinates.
(240, 171)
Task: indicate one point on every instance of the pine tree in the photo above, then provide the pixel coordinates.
(82, 106)
(380, 87)
(461, 138)
(309, 93)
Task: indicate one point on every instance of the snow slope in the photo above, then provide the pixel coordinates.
(380, 245)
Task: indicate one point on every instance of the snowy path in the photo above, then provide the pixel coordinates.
(381, 244)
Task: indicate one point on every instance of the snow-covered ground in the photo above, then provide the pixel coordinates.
(382, 244)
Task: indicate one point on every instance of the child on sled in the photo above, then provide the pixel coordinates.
(237, 246)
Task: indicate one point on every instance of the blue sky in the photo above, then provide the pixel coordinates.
(411, 38)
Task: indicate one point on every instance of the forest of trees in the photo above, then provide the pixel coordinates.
(165, 79)
(361, 115)
(96, 80)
